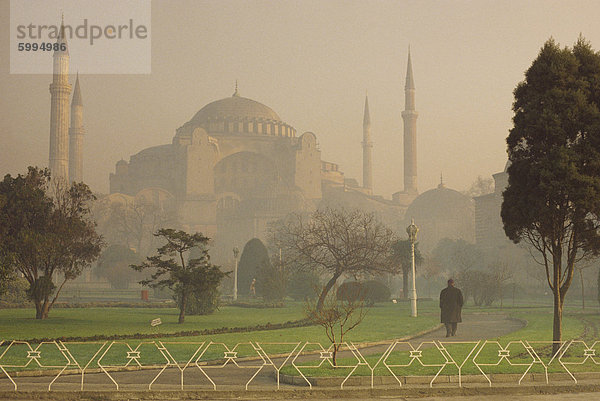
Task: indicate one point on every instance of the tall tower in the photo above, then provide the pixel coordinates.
(367, 149)
(59, 110)
(409, 115)
(76, 136)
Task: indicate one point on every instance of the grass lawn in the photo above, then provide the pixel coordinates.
(538, 331)
(383, 321)
(18, 324)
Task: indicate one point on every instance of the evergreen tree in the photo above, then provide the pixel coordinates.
(188, 278)
(254, 258)
(552, 201)
(46, 232)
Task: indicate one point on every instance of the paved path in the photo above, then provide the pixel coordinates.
(520, 397)
(476, 326)
(487, 397)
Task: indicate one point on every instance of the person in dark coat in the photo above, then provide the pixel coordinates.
(451, 302)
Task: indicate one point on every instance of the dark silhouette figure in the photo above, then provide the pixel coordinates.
(451, 302)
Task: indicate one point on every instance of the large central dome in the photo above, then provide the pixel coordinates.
(235, 107)
(240, 115)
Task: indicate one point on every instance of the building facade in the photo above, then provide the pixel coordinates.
(229, 171)
(489, 230)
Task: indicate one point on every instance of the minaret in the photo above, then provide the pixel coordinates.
(410, 132)
(367, 149)
(76, 136)
(59, 110)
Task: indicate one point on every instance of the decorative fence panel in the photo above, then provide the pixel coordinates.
(211, 365)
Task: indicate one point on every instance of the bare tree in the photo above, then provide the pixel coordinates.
(481, 186)
(502, 273)
(431, 269)
(336, 242)
(581, 266)
(133, 223)
(337, 317)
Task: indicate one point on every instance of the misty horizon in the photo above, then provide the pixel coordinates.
(313, 63)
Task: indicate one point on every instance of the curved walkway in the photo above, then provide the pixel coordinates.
(477, 326)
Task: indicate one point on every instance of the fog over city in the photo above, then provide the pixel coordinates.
(299, 186)
(312, 62)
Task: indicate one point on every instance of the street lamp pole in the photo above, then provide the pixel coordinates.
(236, 252)
(412, 236)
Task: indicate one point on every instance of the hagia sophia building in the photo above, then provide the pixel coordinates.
(235, 166)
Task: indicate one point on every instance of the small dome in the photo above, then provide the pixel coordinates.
(234, 107)
(438, 202)
(442, 213)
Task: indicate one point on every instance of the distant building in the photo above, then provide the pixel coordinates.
(233, 168)
(489, 230)
(236, 166)
(441, 213)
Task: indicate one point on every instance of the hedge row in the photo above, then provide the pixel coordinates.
(141, 336)
(256, 305)
(106, 304)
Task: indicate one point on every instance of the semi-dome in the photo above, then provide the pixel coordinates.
(237, 115)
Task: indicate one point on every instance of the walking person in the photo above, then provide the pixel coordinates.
(451, 302)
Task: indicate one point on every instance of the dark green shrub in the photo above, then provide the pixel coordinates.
(371, 291)
(113, 265)
(376, 291)
(202, 303)
(303, 285)
(204, 296)
(15, 291)
(350, 291)
(271, 283)
(254, 257)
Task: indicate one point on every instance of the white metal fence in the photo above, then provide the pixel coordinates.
(122, 362)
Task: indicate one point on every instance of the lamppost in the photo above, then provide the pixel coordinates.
(236, 253)
(412, 231)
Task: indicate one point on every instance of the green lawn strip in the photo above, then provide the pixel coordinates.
(18, 324)
(384, 321)
(537, 332)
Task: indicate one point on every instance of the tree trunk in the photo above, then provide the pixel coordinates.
(55, 297)
(182, 307)
(513, 294)
(334, 353)
(45, 310)
(38, 309)
(582, 290)
(404, 283)
(325, 291)
(557, 326)
(42, 307)
(598, 294)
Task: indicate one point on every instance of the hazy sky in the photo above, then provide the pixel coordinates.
(311, 62)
